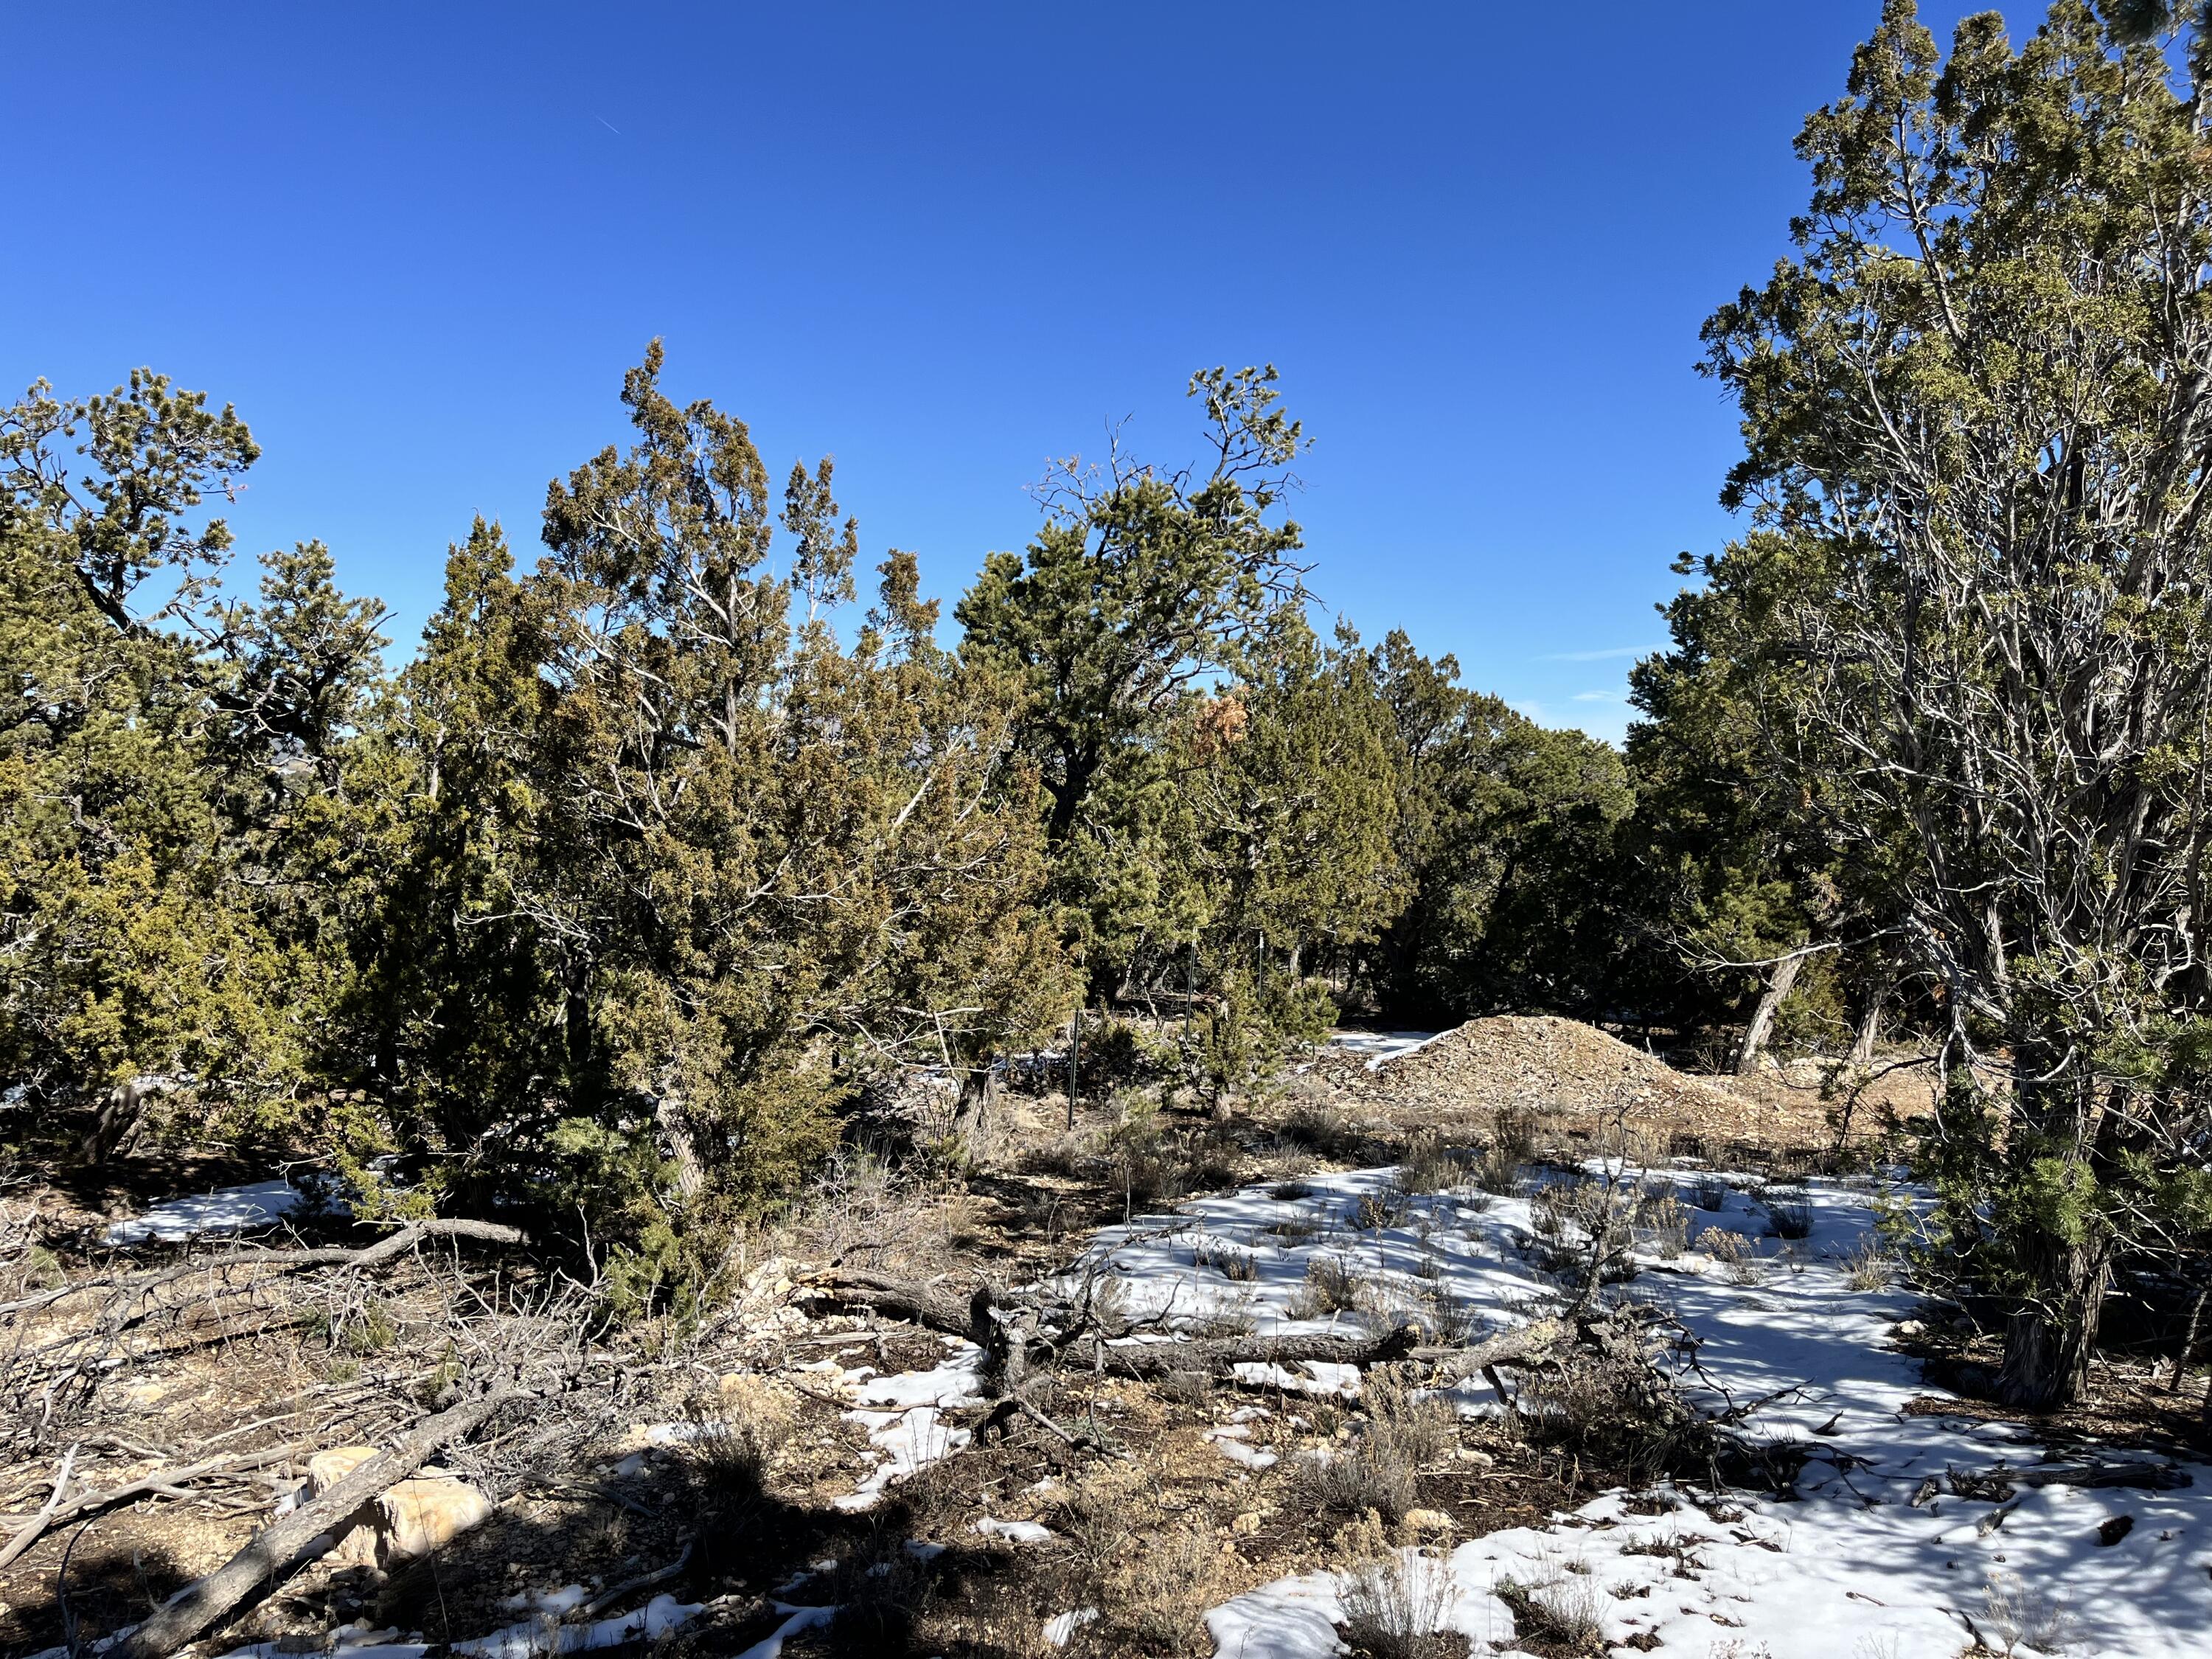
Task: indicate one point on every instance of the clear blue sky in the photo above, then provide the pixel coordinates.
(416, 246)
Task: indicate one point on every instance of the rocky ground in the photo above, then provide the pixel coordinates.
(804, 1472)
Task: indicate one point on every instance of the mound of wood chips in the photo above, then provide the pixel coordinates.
(1546, 1066)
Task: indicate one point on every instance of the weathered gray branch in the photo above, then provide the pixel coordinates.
(291, 1542)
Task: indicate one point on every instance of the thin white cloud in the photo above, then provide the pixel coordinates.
(1610, 654)
(1597, 696)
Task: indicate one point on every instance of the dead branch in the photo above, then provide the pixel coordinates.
(371, 1255)
(38, 1523)
(292, 1541)
(1997, 1483)
(169, 1480)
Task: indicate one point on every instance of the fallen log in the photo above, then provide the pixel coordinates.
(1997, 1484)
(980, 1317)
(929, 1305)
(291, 1542)
(1220, 1356)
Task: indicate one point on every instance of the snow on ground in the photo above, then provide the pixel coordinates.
(1851, 1570)
(904, 1417)
(1379, 1045)
(227, 1210)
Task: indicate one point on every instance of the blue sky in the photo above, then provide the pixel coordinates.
(417, 246)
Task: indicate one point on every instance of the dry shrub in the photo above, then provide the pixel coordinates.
(1379, 1470)
(1564, 1617)
(1582, 1227)
(1738, 1256)
(1618, 1412)
(1331, 1287)
(1220, 1324)
(1290, 1192)
(1194, 1388)
(737, 1432)
(1152, 1583)
(1392, 1609)
(882, 1591)
(1708, 1192)
(1789, 1211)
(2024, 1615)
(1426, 1165)
(1064, 1155)
(1661, 1222)
(1376, 1211)
(1869, 1267)
(1227, 1259)
(1318, 1127)
(24, 1264)
(863, 1215)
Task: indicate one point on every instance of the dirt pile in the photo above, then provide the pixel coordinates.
(1546, 1067)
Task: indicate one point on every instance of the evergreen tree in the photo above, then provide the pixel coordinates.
(1506, 832)
(1144, 587)
(1974, 595)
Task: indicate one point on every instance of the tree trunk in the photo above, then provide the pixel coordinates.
(2048, 1342)
(1762, 1016)
(1875, 995)
(690, 1174)
(979, 1089)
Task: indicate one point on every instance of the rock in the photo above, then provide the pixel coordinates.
(326, 1469)
(1429, 1521)
(356, 1545)
(425, 1513)
(1481, 1460)
(417, 1515)
(1248, 1523)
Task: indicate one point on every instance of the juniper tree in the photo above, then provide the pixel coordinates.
(1978, 460)
(163, 926)
(1504, 832)
(1144, 587)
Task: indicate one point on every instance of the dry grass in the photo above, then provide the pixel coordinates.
(1151, 1582)
(1869, 1267)
(1380, 1469)
(1392, 1609)
(1331, 1287)
(1563, 1618)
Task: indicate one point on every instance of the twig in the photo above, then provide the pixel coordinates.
(607, 1598)
(38, 1523)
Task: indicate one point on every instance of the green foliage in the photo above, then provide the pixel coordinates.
(1506, 833)
(1965, 639)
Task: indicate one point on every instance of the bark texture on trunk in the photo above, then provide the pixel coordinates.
(2048, 1342)
(1762, 1016)
(1873, 995)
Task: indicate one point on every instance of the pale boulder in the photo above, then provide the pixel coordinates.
(413, 1517)
(427, 1513)
(356, 1545)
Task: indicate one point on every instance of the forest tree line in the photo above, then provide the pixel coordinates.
(671, 842)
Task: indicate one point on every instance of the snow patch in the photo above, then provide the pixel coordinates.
(227, 1210)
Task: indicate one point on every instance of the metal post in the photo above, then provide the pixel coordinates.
(1074, 1051)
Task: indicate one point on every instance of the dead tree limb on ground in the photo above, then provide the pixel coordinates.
(291, 1542)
